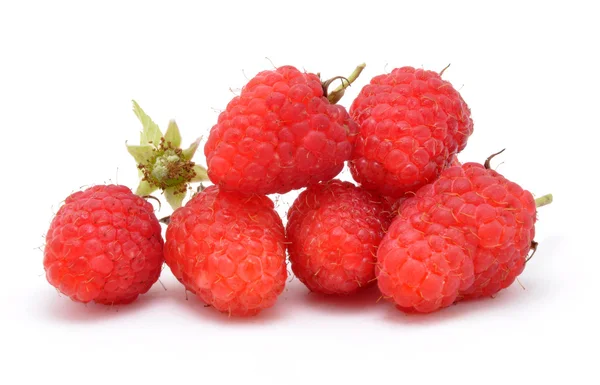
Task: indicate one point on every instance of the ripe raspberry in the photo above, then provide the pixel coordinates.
(411, 123)
(395, 203)
(280, 134)
(422, 265)
(229, 249)
(454, 161)
(465, 235)
(333, 230)
(104, 245)
(504, 222)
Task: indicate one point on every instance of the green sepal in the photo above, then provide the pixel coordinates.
(201, 174)
(150, 133)
(141, 153)
(174, 197)
(189, 152)
(145, 188)
(173, 135)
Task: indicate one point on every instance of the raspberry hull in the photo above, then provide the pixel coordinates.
(333, 230)
(280, 134)
(229, 250)
(411, 123)
(464, 236)
(104, 245)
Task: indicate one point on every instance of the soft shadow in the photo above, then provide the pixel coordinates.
(358, 302)
(514, 297)
(193, 305)
(534, 288)
(64, 309)
(456, 311)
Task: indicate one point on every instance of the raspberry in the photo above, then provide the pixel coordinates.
(454, 161)
(104, 245)
(422, 265)
(465, 235)
(411, 123)
(333, 230)
(280, 134)
(505, 227)
(228, 249)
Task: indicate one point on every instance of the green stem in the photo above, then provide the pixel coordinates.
(353, 76)
(543, 200)
(335, 95)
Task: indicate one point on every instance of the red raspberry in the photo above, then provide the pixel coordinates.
(454, 161)
(280, 134)
(465, 235)
(229, 249)
(504, 222)
(333, 230)
(395, 203)
(411, 123)
(104, 245)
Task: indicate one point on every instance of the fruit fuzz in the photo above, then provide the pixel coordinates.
(466, 235)
(280, 134)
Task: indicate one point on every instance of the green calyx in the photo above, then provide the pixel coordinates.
(167, 167)
(161, 163)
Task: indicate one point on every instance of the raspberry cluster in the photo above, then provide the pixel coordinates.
(428, 230)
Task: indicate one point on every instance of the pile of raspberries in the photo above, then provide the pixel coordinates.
(427, 230)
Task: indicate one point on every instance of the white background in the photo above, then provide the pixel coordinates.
(528, 70)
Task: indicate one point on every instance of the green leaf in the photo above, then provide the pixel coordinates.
(201, 174)
(150, 133)
(145, 188)
(142, 154)
(189, 152)
(173, 135)
(174, 197)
